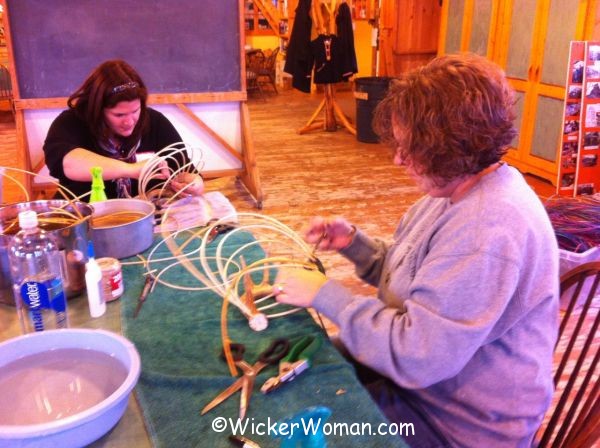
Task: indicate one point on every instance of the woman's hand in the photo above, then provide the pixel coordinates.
(334, 234)
(188, 183)
(145, 163)
(298, 287)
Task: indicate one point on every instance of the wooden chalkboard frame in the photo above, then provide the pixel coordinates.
(248, 173)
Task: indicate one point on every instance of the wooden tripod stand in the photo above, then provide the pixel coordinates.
(328, 103)
(332, 110)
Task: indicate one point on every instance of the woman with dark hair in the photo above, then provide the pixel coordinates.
(459, 339)
(107, 124)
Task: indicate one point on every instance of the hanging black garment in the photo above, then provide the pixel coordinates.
(327, 69)
(299, 58)
(346, 52)
(333, 56)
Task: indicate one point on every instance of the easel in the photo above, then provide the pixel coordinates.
(29, 108)
(332, 109)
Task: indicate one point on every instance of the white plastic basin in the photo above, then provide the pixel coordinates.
(64, 388)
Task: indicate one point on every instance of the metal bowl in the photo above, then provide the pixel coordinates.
(122, 239)
(49, 411)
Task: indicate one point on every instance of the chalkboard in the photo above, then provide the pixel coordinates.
(177, 46)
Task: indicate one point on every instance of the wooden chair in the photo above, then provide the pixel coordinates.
(269, 69)
(255, 61)
(575, 416)
(6, 93)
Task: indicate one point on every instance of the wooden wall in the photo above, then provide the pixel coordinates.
(5, 105)
(409, 34)
(596, 31)
(3, 48)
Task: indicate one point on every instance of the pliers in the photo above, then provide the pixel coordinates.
(295, 362)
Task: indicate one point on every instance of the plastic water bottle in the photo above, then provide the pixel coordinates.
(36, 269)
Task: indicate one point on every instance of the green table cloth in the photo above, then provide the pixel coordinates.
(177, 334)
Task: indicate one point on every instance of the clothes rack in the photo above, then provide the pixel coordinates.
(326, 25)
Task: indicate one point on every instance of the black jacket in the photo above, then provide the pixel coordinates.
(333, 56)
(299, 59)
(346, 52)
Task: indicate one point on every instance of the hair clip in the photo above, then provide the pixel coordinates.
(122, 87)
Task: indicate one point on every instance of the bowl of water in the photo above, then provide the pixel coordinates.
(64, 388)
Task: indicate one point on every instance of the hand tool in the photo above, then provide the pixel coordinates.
(217, 230)
(314, 257)
(297, 361)
(144, 295)
(271, 356)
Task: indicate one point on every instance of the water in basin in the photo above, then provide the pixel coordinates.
(52, 385)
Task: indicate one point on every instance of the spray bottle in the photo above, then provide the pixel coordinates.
(98, 194)
(93, 284)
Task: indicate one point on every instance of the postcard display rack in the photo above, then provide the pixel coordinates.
(579, 169)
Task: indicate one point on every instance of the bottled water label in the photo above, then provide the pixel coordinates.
(41, 297)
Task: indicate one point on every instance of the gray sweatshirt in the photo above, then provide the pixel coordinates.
(467, 310)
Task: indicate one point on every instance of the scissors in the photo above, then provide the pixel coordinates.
(271, 356)
(298, 359)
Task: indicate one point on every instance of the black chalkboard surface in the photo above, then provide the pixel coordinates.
(177, 46)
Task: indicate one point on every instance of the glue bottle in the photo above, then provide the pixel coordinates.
(98, 194)
(93, 284)
(37, 274)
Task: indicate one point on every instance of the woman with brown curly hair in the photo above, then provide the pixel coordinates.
(108, 124)
(461, 334)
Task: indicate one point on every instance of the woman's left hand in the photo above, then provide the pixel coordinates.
(188, 183)
(298, 287)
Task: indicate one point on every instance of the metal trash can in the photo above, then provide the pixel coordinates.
(368, 91)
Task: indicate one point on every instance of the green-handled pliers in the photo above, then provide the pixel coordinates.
(298, 359)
